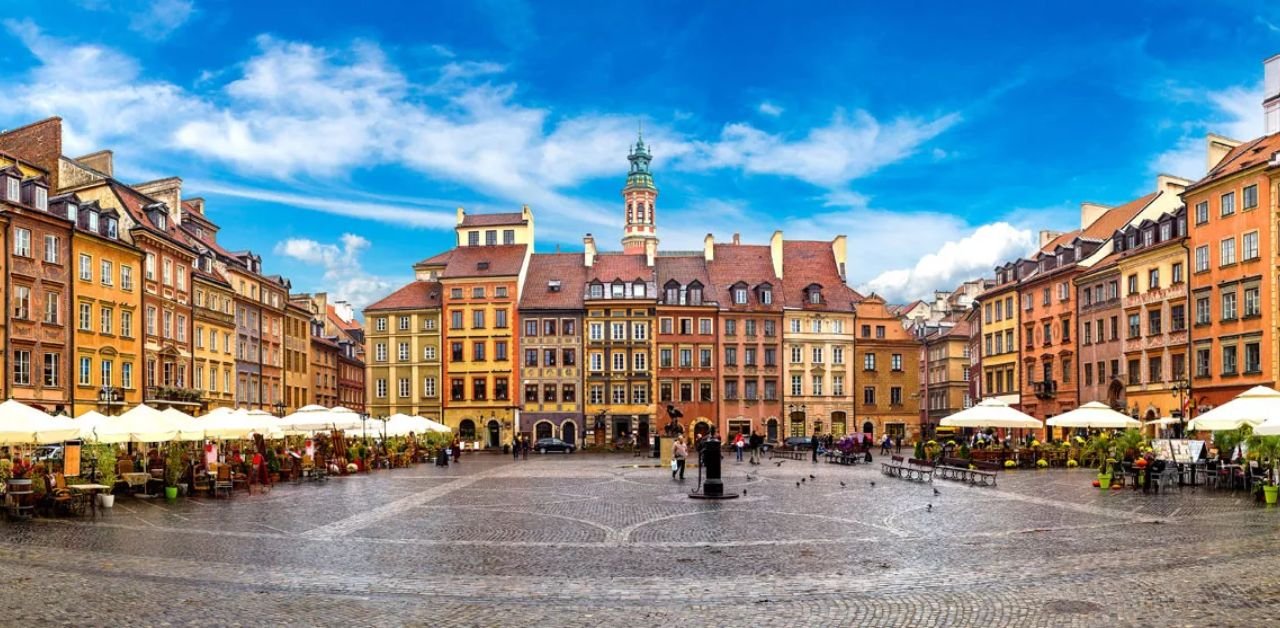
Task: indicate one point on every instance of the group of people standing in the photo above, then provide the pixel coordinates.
(520, 446)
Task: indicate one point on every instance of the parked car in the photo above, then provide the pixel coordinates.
(798, 442)
(48, 452)
(545, 445)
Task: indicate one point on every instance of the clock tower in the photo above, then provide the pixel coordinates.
(638, 198)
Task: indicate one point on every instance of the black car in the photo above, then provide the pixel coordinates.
(798, 442)
(545, 445)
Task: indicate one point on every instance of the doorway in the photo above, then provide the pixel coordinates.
(542, 430)
(495, 432)
(868, 428)
(568, 432)
(467, 430)
(771, 430)
(642, 433)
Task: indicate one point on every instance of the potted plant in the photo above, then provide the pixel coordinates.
(1267, 448)
(273, 464)
(107, 474)
(172, 470)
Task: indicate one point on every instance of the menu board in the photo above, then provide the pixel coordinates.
(1180, 450)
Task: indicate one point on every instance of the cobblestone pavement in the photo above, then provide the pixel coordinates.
(599, 540)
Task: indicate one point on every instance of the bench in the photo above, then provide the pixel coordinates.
(790, 454)
(910, 469)
(839, 457)
(983, 472)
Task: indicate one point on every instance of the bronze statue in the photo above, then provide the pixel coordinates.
(673, 427)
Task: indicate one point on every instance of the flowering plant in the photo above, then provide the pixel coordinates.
(21, 469)
(1071, 464)
(1042, 463)
(1009, 464)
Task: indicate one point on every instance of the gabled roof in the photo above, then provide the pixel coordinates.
(685, 270)
(485, 261)
(417, 295)
(750, 264)
(610, 267)
(555, 281)
(806, 262)
(1107, 224)
(135, 203)
(493, 220)
(436, 260)
(1247, 155)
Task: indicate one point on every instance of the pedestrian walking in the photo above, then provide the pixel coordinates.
(884, 446)
(515, 447)
(457, 450)
(739, 443)
(524, 447)
(897, 443)
(679, 453)
(757, 441)
(817, 442)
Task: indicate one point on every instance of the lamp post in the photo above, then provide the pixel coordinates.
(279, 406)
(1181, 388)
(110, 397)
(364, 434)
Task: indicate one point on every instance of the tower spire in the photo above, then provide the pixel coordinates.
(639, 196)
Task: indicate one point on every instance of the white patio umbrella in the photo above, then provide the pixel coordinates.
(142, 424)
(189, 428)
(1251, 407)
(305, 420)
(992, 412)
(1094, 415)
(436, 426)
(239, 424)
(88, 422)
(403, 424)
(341, 418)
(21, 424)
(1163, 421)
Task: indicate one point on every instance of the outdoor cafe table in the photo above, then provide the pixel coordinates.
(92, 491)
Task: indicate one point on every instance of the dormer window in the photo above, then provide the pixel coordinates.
(93, 221)
(766, 296)
(597, 291)
(11, 189)
(1148, 237)
(618, 290)
(815, 297)
(673, 293)
(162, 221)
(637, 290)
(112, 229)
(695, 295)
(41, 198)
(73, 212)
(739, 296)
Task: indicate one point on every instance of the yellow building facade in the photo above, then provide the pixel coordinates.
(297, 361)
(214, 373)
(999, 331)
(402, 332)
(106, 302)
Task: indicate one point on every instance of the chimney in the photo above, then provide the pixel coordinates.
(588, 250)
(167, 191)
(1217, 147)
(102, 161)
(1271, 95)
(462, 213)
(709, 248)
(1047, 236)
(737, 239)
(775, 252)
(650, 251)
(1089, 213)
(840, 250)
(197, 204)
(1171, 184)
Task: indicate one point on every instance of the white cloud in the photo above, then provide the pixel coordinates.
(1234, 112)
(769, 109)
(161, 18)
(343, 275)
(400, 213)
(971, 256)
(848, 148)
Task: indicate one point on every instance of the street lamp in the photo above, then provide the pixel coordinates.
(364, 417)
(111, 397)
(279, 406)
(1181, 388)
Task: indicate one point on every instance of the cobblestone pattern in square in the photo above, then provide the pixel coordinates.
(599, 541)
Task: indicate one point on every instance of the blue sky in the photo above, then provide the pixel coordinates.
(337, 141)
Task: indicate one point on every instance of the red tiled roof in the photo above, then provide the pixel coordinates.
(608, 267)
(751, 264)
(544, 268)
(214, 277)
(485, 261)
(1115, 218)
(440, 258)
(806, 262)
(684, 269)
(493, 220)
(417, 295)
(351, 325)
(1247, 155)
(134, 201)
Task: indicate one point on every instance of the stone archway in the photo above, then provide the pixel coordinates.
(701, 428)
(467, 430)
(495, 433)
(569, 432)
(543, 429)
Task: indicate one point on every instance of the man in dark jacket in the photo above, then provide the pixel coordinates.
(817, 442)
(756, 442)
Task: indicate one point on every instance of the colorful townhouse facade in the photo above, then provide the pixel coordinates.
(404, 336)
(551, 341)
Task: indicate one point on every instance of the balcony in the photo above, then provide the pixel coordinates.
(1047, 389)
(173, 395)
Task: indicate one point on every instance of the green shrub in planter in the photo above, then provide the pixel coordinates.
(1009, 464)
(1042, 464)
(1071, 464)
